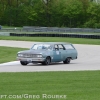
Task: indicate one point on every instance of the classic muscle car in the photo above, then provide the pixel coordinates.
(48, 52)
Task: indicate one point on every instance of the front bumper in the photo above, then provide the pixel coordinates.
(31, 59)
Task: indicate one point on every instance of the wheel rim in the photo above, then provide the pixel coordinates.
(25, 63)
(48, 61)
(68, 60)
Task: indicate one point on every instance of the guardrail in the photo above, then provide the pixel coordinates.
(51, 29)
(58, 35)
(57, 29)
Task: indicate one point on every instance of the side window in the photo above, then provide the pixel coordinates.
(50, 47)
(61, 47)
(68, 46)
(56, 47)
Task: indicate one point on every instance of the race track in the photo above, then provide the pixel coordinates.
(88, 59)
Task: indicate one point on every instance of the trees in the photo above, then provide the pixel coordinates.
(93, 19)
(57, 13)
(72, 12)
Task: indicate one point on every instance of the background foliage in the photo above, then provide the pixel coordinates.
(53, 13)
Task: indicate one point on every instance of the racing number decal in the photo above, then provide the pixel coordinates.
(57, 52)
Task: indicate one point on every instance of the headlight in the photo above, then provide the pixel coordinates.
(39, 56)
(20, 55)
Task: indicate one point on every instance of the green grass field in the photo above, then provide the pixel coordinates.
(75, 85)
(8, 53)
(54, 39)
(9, 27)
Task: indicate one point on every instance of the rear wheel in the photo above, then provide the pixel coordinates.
(67, 61)
(23, 63)
(47, 61)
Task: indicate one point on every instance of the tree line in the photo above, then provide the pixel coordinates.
(50, 13)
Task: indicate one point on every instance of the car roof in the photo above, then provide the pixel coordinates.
(52, 43)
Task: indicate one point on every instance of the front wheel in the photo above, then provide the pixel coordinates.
(67, 61)
(23, 63)
(47, 61)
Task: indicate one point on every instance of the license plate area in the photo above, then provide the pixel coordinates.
(29, 60)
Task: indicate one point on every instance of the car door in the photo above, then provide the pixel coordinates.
(62, 50)
(56, 54)
(70, 51)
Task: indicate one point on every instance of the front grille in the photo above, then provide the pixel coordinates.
(29, 55)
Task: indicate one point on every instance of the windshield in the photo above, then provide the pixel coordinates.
(41, 47)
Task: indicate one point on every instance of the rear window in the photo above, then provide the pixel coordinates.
(68, 46)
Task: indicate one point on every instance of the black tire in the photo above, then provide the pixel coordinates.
(67, 61)
(23, 63)
(47, 61)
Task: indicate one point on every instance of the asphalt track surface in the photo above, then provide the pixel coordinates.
(88, 59)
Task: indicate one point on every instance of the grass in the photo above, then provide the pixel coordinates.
(8, 53)
(75, 85)
(10, 27)
(54, 39)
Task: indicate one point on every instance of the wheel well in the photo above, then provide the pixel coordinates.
(49, 57)
(69, 57)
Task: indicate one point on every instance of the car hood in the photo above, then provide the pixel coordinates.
(33, 51)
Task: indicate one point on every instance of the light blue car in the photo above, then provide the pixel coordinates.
(48, 52)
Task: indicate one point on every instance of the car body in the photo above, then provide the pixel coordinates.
(48, 52)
